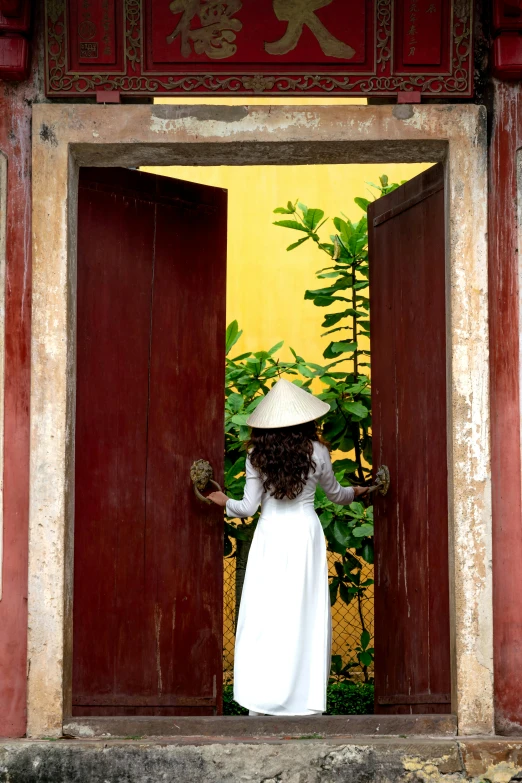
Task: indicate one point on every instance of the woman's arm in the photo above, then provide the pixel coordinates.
(248, 505)
(332, 489)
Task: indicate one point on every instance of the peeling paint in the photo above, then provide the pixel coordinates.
(48, 135)
(192, 123)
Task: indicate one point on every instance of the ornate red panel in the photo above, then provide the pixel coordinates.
(292, 47)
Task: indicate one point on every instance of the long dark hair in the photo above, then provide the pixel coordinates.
(284, 457)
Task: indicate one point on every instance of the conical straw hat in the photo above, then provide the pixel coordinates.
(286, 405)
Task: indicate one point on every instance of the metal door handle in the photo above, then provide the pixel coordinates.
(201, 474)
(382, 481)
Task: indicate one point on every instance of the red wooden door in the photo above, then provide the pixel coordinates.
(148, 555)
(408, 340)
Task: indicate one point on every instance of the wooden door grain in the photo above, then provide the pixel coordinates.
(150, 372)
(408, 340)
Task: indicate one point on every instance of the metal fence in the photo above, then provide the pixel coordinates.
(346, 619)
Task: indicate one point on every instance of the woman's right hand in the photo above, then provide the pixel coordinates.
(358, 491)
(219, 498)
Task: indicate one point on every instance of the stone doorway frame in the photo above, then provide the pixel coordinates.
(66, 137)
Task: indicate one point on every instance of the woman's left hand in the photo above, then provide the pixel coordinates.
(219, 498)
(358, 491)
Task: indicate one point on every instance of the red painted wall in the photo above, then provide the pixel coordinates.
(505, 408)
(15, 142)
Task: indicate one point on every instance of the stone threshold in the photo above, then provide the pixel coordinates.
(362, 760)
(314, 727)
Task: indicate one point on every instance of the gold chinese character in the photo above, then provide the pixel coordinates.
(412, 30)
(217, 33)
(412, 51)
(431, 9)
(299, 13)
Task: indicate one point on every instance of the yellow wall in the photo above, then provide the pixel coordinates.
(266, 284)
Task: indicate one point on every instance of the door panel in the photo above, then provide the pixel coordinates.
(150, 371)
(408, 334)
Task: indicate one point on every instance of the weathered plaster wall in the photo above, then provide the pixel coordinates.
(303, 761)
(15, 315)
(66, 136)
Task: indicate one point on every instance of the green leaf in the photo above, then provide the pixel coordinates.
(241, 357)
(365, 658)
(363, 531)
(335, 546)
(342, 533)
(335, 349)
(356, 409)
(329, 291)
(237, 467)
(326, 518)
(284, 211)
(234, 402)
(339, 570)
(362, 203)
(276, 348)
(232, 336)
(321, 301)
(334, 589)
(351, 562)
(345, 594)
(332, 382)
(332, 318)
(367, 552)
(365, 639)
(347, 465)
(296, 357)
(327, 275)
(291, 224)
(344, 347)
(334, 427)
(302, 207)
(313, 217)
(296, 244)
(303, 369)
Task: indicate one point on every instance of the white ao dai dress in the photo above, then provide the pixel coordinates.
(283, 638)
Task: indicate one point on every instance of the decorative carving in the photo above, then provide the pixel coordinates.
(135, 80)
(299, 13)
(462, 9)
(384, 28)
(201, 474)
(55, 9)
(217, 33)
(258, 83)
(132, 33)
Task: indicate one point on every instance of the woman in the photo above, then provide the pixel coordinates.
(283, 637)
